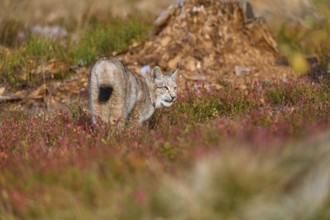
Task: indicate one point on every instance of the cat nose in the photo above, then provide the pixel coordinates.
(173, 97)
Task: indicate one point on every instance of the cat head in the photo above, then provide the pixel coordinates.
(164, 87)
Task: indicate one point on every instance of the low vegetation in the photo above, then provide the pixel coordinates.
(62, 167)
(100, 37)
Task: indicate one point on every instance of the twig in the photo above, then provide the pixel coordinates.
(10, 98)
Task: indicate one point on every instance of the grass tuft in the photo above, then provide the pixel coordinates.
(101, 37)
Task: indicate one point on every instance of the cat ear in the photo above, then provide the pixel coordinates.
(175, 73)
(156, 73)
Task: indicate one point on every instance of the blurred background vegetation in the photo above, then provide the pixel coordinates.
(78, 32)
(311, 37)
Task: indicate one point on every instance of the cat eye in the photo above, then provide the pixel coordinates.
(165, 88)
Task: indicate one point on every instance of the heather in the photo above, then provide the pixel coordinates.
(60, 166)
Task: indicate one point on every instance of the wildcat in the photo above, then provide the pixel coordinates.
(117, 95)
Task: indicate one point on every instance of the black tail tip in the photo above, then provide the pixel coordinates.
(105, 93)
